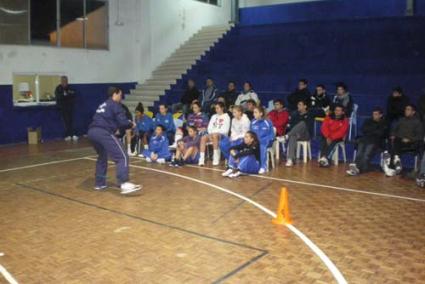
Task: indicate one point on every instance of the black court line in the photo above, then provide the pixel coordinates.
(219, 280)
(241, 203)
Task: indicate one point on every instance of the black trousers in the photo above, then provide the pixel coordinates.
(326, 150)
(398, 147)
(67, 116)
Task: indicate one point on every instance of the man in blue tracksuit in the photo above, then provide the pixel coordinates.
(166, 119)
(109, 118)
(263, 128)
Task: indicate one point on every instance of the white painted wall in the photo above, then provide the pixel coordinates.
(166, 24)
(152, 30)
(254, 3)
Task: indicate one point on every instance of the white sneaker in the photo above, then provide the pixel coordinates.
(289, 163)
(161, 161)
(216, 162)
(149, 160)
(75, 138)
(129, 187)
(201, 161)
(235, 174)
(141, 156)
(173, 147)
(68, 138)
(262, 171)
(100, 187)
(216, 158)
(227, 173)
(389, 172)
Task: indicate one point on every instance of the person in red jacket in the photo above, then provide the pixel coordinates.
(279, 117)
(334, 129)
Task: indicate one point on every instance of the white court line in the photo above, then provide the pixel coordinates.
(42, 164)
(325, 259)
(7, 275)
(322, 185)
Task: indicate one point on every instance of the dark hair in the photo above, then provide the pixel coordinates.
(210, 78)
(160, 126)
(253, 136)
(303, 81)
(411, 105)
(140, 108)
(304, 102)
(221, 105)
(233, 82)
(378, 109)
(197, 103)
(193, 128)
(342, 85)
(321, 86)
(238, 108)
(164, 105)
(279, 101)
(249, 83)
(339, 106)
(398, 89)
(261, 109)
(113, 90)
(251, 101)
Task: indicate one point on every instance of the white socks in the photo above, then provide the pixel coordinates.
(201, 159)
(216, 157)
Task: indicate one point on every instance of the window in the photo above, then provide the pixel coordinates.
(67, 23)
(213, 2)
(14, 22)
(34, 89)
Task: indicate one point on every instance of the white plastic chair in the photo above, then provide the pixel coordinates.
(271, 158)
(353, 122)
(335, 156)
(306, 147)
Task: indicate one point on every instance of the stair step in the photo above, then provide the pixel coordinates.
(153, 87)
(146, 93)
(156, 81)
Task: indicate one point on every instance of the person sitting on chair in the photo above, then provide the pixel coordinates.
(302, 93)
(300, 128)
(279, 117)
(247, 94)
(406, 136)
(334, 129)
(320, 102)
(343, 98)
(374, 130)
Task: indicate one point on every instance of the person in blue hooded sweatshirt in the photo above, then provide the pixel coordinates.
(108, 119)
(263, 128)
(158, 147)
(166, 119)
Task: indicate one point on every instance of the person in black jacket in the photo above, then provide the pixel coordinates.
(343, 98)
(300, 128)
(374, 130)
(300, 94)
(230, 95)
(396, 104)
(65, 97)
(190, 95)
(406, 136)
(320, 101)
(245, 157)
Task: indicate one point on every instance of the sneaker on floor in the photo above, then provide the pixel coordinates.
(161, 161)
(389, 172)
(173, 164)
(100, 187)
(398, 167)
(75, 138)
(129, 187)
(420, 181)
(323, 162)
(262, 171)
(227, 173)
(289, 163)
(149, 160)
(132, 154)
(201, 162)
(353, 168)
(235, 174)
(68, 138)
(141, 156)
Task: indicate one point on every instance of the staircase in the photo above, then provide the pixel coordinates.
(177, 64)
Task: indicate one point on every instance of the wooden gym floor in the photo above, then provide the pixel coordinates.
(187, 226)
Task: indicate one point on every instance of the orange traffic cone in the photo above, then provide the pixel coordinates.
(283, 216)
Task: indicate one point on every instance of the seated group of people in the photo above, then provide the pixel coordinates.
(239, 129)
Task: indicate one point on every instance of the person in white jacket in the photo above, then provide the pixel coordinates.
(247, 94)
(240, 126)
(218, 126)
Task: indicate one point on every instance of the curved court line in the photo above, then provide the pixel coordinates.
(323, 257)
(42, 164)
(7, 275)
(323, 186)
